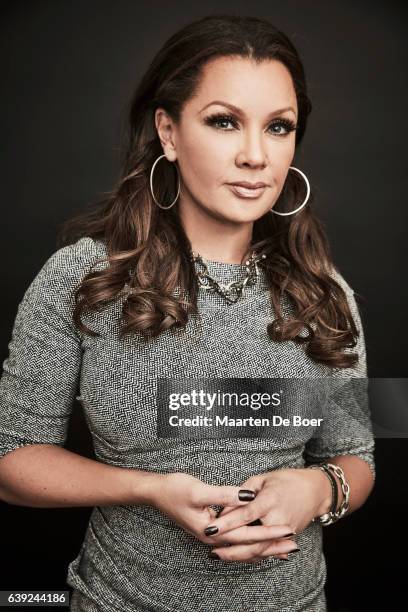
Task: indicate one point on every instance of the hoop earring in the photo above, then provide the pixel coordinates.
(151, 185)
(284, 214)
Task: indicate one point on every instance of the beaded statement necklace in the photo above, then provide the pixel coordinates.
(234, 290)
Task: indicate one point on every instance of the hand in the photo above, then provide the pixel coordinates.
(290, 497)
(185, 499)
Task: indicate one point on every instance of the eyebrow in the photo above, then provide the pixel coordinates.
(240, 112)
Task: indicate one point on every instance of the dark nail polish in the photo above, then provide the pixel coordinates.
(210, 530)
(246, 495)
(214, 555)
(293, 551)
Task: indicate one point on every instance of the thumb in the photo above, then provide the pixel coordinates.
(223, 495)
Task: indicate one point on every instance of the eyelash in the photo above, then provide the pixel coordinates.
(212, 120)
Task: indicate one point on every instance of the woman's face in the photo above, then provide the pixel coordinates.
(238, 127)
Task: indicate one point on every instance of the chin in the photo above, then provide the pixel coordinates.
(244, 218)
(247, 211)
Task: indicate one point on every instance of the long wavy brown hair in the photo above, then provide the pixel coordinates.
(147, 247)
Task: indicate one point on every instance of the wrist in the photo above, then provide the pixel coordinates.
(323, 491)
(145, 486)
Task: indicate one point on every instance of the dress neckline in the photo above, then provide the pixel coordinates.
(225, 273)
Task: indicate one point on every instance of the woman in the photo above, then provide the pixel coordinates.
(206, 261)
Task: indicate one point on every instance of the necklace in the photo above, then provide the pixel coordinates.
(233, 291)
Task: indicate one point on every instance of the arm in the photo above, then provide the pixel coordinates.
(348, 440)
(48, 476)
(37, 389)
(357, 474)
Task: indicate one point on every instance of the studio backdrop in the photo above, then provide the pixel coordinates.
(68, 72)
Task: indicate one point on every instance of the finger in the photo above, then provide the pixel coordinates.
(207, 495)
(213, 514)
(238, 518)
(242, 552)
(229, 509)
(280, 556)
(248, 553)
(287, 555)
(252, 534)
(225, 510)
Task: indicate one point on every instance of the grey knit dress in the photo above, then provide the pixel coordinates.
(134, 558)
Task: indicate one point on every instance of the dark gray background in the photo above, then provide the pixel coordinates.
(67, 71)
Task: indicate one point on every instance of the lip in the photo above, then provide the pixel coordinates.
(245, 192)
(248, 185)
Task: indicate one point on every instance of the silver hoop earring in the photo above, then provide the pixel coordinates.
(151, 185)
(284, 214)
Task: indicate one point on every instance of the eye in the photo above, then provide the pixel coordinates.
(218, 119)
(286, 124)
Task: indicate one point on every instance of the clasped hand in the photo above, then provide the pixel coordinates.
(286, 501)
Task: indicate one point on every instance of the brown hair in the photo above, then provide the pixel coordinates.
(147, 247)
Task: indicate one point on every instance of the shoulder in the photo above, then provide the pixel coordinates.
(63, 271)
(76, 257)
(340, 279)
(350, 295)
(361, 368)
(73, 261)
(348, 290)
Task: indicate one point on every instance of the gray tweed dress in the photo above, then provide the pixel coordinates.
(134, 558)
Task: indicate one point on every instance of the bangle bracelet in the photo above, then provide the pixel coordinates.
(323, 467)
(334, 515)
(333, 482)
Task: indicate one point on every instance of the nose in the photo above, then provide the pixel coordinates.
(252, 151)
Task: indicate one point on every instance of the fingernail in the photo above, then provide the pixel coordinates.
(214, 555)
(246, 495)
(211, 530)
(292, 551)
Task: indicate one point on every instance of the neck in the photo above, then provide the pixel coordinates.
(215, 240)
(223, 257)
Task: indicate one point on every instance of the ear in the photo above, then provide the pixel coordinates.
(166, 132)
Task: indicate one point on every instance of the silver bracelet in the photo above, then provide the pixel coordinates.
(331, 517)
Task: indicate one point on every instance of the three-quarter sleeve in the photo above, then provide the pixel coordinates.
(40, 374)
(347, 427)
